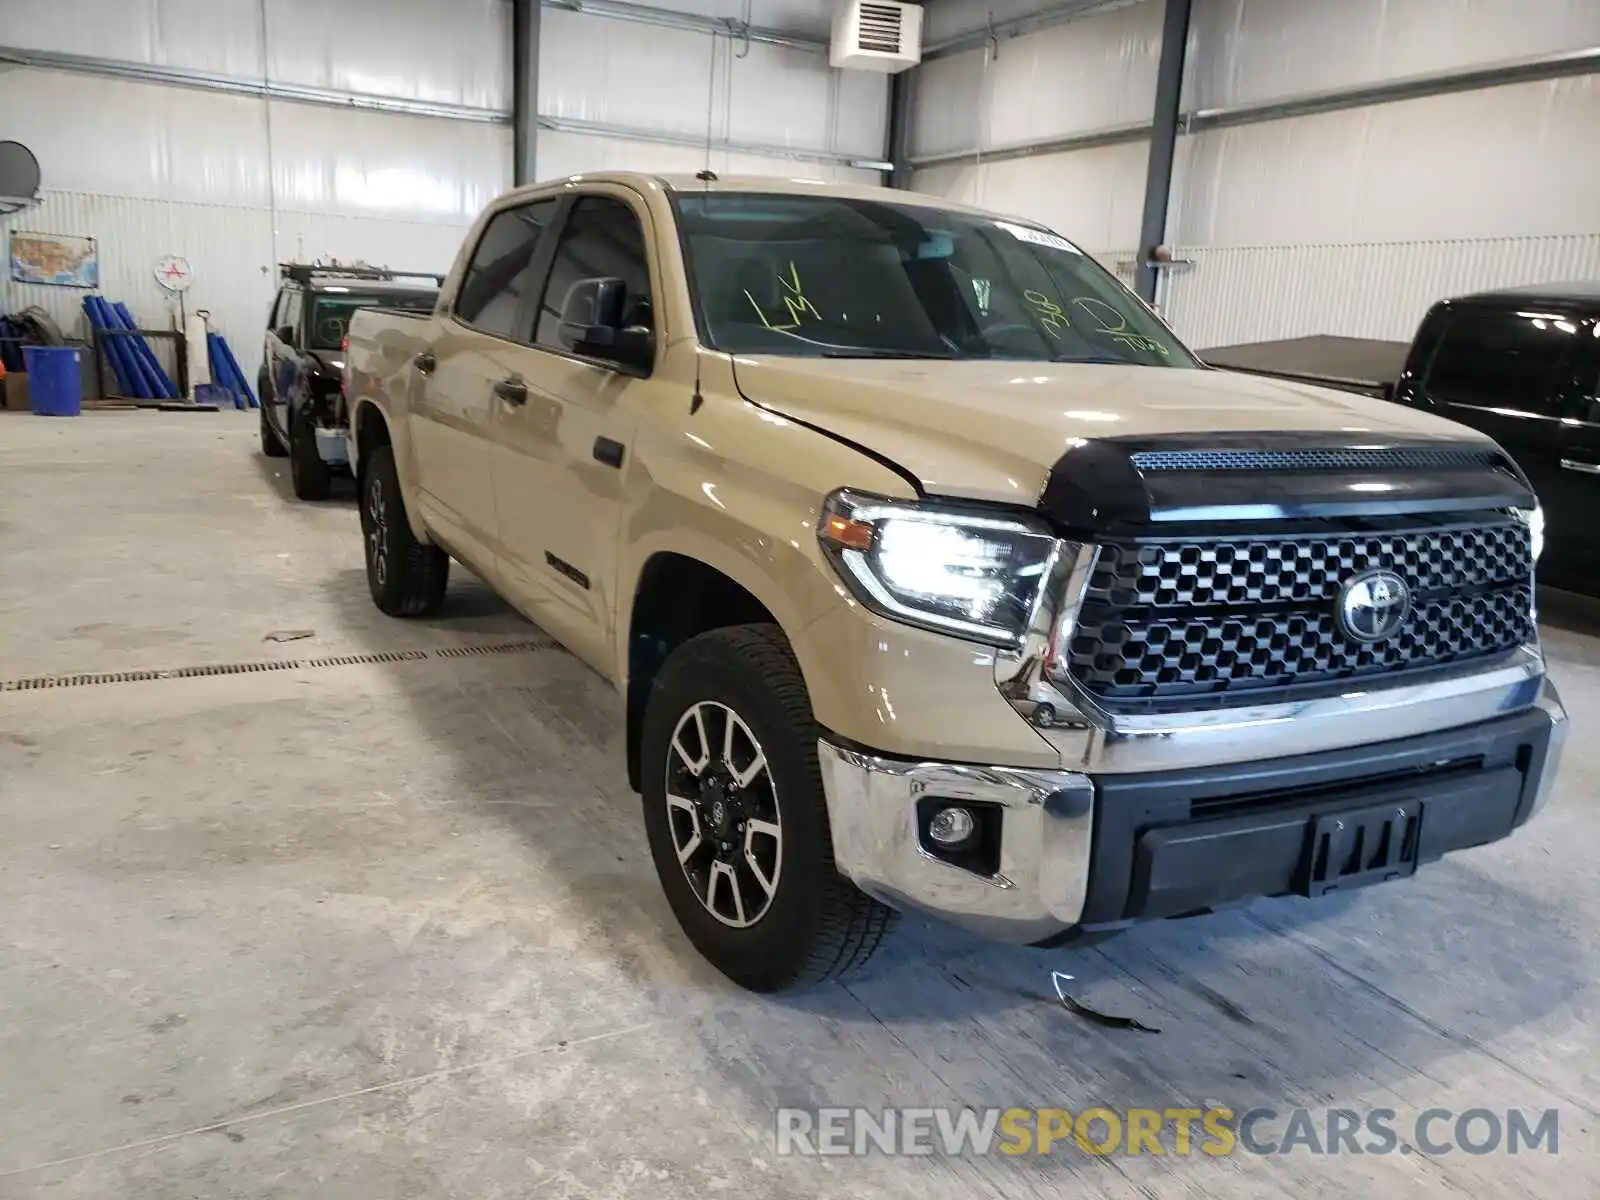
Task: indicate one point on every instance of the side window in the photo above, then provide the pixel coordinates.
(1502, 359)
(500, 275)
(601, 239)
(292, 300)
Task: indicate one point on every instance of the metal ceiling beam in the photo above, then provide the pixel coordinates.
(667, 18)
(1412, 87)
(52, 60)
(525, 16)
(899, 139)
(1163, 141)
(664, 138)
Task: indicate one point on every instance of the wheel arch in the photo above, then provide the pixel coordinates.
(678, 595)
(370, 428)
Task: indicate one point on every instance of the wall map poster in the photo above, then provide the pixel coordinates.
(55, 258)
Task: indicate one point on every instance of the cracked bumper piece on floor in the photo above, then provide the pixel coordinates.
(1051, 851)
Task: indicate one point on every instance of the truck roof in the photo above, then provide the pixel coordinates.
(687, 184)
(1582, 292)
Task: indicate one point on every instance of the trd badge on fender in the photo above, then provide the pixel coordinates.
(1372, 606)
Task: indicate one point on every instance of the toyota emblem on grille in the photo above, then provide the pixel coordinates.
(1373, 605)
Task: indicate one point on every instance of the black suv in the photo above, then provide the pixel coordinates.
(1523, 365)
(302, 364)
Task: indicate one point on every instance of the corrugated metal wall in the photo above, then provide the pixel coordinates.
(1347, 222)
(236, 184)
(697, 88)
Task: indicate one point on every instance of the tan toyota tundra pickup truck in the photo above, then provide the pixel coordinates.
(934, 573)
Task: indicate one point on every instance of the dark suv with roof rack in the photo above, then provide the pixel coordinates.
(302, 363)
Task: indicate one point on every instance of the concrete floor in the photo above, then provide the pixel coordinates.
(390, 930)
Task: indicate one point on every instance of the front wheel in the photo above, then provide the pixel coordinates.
(736, 818)
(407, 578)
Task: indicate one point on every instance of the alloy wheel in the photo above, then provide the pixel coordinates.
(722, 810)
(378, 533)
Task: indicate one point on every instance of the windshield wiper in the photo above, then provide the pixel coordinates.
(1095, 360)
(875, 352)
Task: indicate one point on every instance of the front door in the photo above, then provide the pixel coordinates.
(1576, 493)
(478, 346)
(1507, 373)
(284, 357)
(561, 446)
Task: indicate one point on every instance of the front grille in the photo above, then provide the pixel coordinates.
(1165, 622)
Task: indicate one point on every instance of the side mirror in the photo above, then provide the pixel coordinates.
(592, 315)
(285, 334)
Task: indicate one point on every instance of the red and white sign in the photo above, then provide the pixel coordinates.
(172, 273)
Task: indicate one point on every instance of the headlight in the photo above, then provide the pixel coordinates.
(948, 569)
(1533, 518)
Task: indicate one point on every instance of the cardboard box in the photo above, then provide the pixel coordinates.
(16, 391)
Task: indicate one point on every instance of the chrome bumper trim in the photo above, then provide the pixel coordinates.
(1099, 742)
(1044, 853)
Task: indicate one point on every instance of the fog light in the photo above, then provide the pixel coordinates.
(952, 827)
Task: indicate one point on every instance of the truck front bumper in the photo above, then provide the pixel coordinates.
(1058, 851)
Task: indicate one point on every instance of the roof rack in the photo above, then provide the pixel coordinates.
(305, 272)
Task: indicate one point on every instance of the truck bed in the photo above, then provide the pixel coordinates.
(1352, 364)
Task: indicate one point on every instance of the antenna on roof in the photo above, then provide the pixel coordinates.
(706, 176)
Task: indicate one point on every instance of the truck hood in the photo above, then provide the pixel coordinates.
(989, 430)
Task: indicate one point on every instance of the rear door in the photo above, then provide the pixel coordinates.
(560, 449)
(1507, 371)
(282, 357)
(480, 344)
(1578, 489)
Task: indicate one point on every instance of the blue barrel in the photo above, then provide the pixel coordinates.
(54, 383)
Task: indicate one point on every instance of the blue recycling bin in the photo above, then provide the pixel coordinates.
(54, 383)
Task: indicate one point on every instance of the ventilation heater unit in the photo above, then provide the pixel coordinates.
(877, 35)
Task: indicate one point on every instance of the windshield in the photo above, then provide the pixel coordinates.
(834, 277)
(330, 314)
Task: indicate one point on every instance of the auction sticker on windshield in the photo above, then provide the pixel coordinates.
(1038, 237)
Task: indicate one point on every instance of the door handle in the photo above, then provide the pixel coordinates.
(424, 362)
(512, 391)
(1572, 464)
(608, 451)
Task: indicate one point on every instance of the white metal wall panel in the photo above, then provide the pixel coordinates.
(1501, 162)
(681, 81)
(1374, 290)
(136, 139)
(360, 162)
(229, 248)
(446, 51)
(946, 19)
(812, 18)
(1097, 71)
(1093, 196)
(232, 250)
(208, 35)
(1251, 50)
(573, 154)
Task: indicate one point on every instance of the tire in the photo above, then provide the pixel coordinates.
(407, 577)
(310, 475)
(811, 924)
(270, 445)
